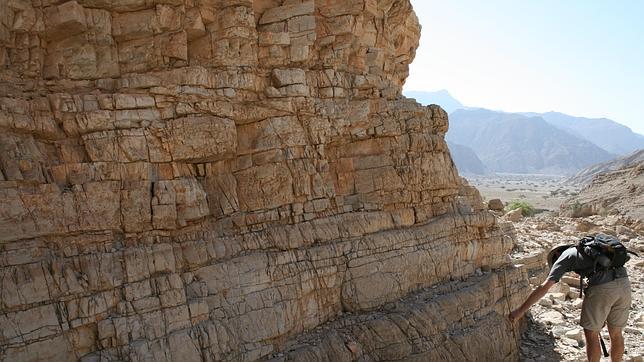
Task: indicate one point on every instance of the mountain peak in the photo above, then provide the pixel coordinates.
(441, 97)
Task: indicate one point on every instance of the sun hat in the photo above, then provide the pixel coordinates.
(555, 252)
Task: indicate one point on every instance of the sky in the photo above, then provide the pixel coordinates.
(580, 57)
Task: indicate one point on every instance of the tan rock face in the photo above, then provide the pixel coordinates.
(208, 179)
(617, 192)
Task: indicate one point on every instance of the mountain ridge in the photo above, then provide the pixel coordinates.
(511, 142)
(612, 137)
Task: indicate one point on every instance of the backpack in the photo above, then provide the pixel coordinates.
(606, 251)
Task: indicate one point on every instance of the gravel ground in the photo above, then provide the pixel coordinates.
(553, 332)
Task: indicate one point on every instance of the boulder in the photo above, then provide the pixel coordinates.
(495, 205)
(514, 215)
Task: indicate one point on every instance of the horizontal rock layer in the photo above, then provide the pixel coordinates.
(460, 320)
(187, 180)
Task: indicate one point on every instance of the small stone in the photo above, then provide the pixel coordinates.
(281, 13)
(584, 226)
(633, 330)
(559, 331)
(353, 347)
(573, 293)
(575, 334)
(569, 342)
(558, 297)
(560, 288)
(552, 317)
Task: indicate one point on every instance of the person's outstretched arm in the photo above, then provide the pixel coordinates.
(534, 297)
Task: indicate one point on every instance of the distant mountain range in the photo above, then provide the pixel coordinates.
(605, 133)
(514, 143)
(553, 143)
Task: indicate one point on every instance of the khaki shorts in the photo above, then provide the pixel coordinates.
(609, 302)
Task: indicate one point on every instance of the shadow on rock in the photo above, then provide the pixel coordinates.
(537, 344)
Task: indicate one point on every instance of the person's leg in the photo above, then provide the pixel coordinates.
(618, 318)
(616, 343)
(594, 310)
(593, 351)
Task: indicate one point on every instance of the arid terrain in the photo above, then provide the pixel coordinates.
(542, 191)
(552, 330)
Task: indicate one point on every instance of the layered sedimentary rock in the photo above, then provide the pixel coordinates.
(213, 179)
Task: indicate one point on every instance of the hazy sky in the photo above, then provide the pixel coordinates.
(580, 57)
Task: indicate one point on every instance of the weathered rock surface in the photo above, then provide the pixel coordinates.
(514, 215)
(188, 180)
(619, 192)
(495, 205)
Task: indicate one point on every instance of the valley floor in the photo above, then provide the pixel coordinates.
(542, 191)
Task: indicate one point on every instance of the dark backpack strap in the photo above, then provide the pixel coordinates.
(581, 284)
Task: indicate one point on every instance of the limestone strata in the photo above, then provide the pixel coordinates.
(461, 321)
(187, 180)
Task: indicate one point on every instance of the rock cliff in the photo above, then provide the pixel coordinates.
(215, 179)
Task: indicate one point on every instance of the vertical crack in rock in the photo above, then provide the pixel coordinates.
(235, 180)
